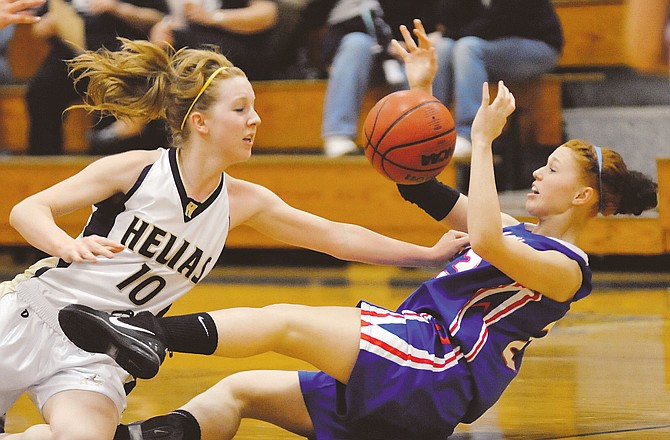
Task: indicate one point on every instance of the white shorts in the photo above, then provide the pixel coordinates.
(36, 357)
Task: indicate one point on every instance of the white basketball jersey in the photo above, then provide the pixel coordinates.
(171, 242)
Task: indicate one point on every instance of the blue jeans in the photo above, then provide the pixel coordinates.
(465, 64)
(354, 68)
(6, 36)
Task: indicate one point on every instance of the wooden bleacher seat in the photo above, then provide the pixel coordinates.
(14, 123)
(341, 190)
(291, 111)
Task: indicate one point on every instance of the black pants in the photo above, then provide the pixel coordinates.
(244, 51)
(50, 92)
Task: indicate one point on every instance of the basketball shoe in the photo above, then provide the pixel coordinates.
(177, 425)
(136, 342)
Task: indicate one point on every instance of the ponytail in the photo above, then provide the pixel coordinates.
(638, 193)
(129, 83)
(145, 81)
(620, 190)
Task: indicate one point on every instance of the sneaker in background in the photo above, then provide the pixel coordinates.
(336, 146)
(463, 148)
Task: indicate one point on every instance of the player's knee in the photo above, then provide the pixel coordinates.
(38, 432)
(358, 43)
(70, 432)
(468, 47)
(285, 315)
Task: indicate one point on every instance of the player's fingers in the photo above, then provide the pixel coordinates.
(505, 98)
(105, 241)
(407, 37)
(112, 245)
(418, 25)
(420, 32)
(398, 49)
(83, 255)
(424, 41)
(22, 5)
(485, 94)
(102, 249)
(458, 234)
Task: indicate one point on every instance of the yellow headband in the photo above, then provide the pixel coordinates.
(202, 90)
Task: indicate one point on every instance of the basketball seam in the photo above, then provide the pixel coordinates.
(398, 119)
(451, 130)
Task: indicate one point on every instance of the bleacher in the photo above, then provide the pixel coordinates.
(288, 146)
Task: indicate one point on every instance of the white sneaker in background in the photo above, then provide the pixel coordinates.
(393, 72)
(463, 148)
(335, 146)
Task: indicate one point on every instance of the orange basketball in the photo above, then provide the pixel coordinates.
(409, 136)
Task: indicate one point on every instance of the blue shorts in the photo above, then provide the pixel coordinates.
(408, 383)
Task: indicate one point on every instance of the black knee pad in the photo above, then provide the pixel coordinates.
(177, 425)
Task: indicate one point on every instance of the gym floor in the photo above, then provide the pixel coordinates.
(602, 372)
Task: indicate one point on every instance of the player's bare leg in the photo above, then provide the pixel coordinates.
(73, 415)
(326, 337)
(271, 396)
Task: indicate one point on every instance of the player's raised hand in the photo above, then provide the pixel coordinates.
(420, 60)
(18, 12)
(492, 116)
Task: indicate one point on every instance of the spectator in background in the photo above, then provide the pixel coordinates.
(355, 54)
(490, 40)
(240, 29)
(51, 90)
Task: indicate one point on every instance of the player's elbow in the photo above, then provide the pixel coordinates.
(487, 246)
(16, 214)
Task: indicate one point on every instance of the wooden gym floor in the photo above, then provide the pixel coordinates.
(602, 373)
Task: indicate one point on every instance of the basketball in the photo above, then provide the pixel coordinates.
(409, 136)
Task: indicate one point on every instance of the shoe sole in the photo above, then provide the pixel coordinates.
(91, 331)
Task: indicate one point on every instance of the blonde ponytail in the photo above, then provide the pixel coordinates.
(145, 81)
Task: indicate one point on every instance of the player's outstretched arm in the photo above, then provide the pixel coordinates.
(259, 208)
(446, 205)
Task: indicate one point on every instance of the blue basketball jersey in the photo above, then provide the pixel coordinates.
(490, 319)
(444, 356)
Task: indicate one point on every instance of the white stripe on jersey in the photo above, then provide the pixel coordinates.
(517, 300)
(380, 341)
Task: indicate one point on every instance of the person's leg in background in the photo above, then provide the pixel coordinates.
(443, 81)
(476, 61)
(50, 91)
(349, 78)
(6, 36)
(443, 89)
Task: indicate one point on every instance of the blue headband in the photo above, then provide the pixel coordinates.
(599, 155)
